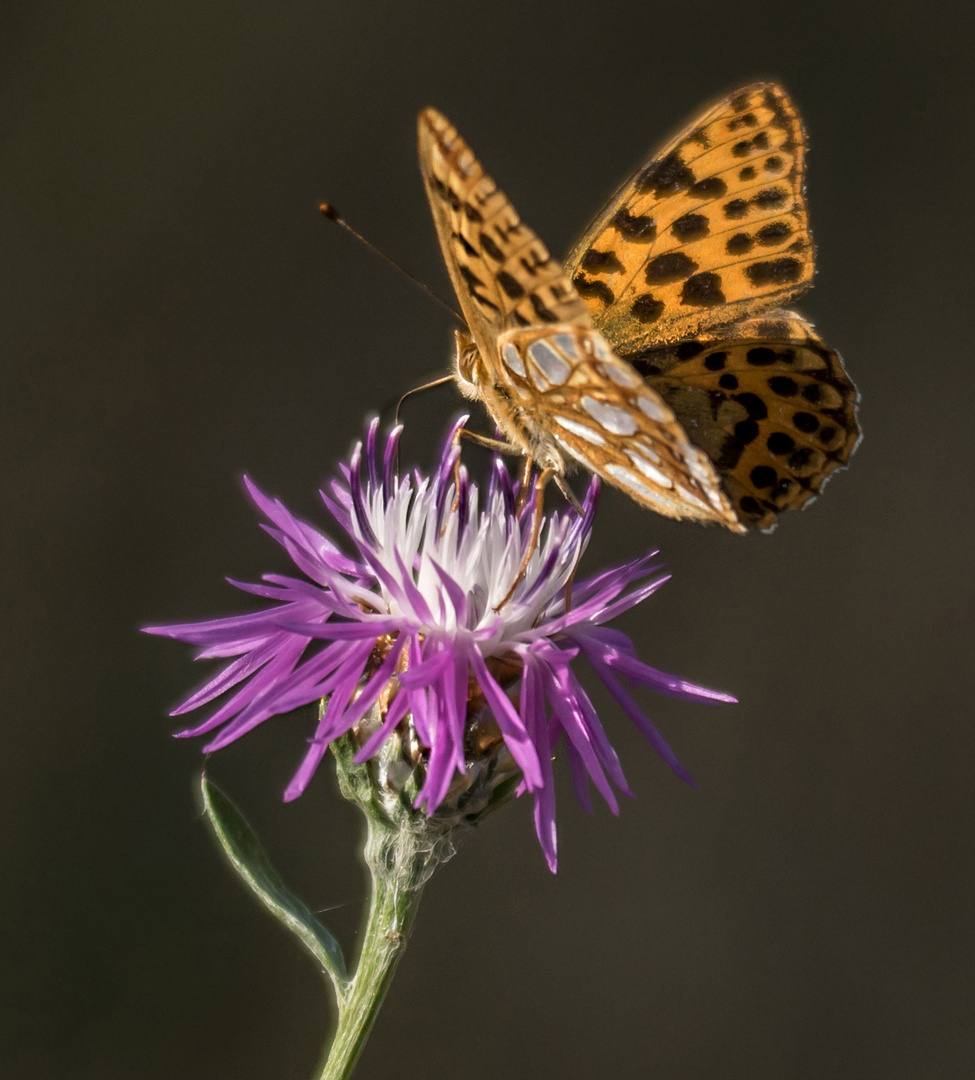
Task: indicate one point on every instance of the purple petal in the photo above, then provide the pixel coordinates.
(373, 626)
(627, 664)
(573, 723)
(642, 721)
(425, 672)
(532, 708)
(389, 459)
(509, 721)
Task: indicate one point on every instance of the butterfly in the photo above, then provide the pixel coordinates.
(660, 355)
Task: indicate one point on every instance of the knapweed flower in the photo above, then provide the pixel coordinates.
(412, 626)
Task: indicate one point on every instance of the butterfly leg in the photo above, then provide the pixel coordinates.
(496, 445)
(524, 484)
(489, 444)
(568, 494)
(540, 484)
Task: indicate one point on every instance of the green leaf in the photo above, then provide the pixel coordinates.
(242, 848)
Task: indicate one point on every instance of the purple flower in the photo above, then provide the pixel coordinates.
(412, 621)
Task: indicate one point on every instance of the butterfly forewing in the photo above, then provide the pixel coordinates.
(770, 404)
(711, 229)
(502, 273)
(597, 410)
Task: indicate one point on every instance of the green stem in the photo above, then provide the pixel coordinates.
(400, 860)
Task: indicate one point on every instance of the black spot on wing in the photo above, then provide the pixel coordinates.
(445, 191)
(690, 227)
(598, 290)
(728, 381)
(600, 262)
(634, 226)
(800, 458)
(672, 266)
(747, 173)
(773, 233)
(468, 247)
(747, 147)
(716, 361)
(763, 476)
(774, 272)
(711, 187)
(703, 290)
(491, 248)
(748, 120)
(746, 431)
(687, 350)
(666, 177)
(756, 408)
(474, 283)
(544, 313)
(769, 199)
(510, 285)
(779, 443)
(736, 208)
(647, 308)
(805, 422)
(739, 244)
(650, 361)
(783, 386)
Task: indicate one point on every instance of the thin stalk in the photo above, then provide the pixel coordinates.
(400, 861)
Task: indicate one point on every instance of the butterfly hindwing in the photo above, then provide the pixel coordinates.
(574, 391)
(711, 229)
(770, 404)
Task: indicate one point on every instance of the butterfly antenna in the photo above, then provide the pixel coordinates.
(327, 210)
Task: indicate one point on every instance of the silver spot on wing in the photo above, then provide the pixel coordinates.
(567, 344)
(614, 420)
(621, 374)
(627, 479)
(582, 430)
(653, 409)
(551, 365)
(510, 356)
(648, 470)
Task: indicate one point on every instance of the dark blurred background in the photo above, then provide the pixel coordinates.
(175, 312)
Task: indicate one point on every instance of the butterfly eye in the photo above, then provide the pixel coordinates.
(465, 358)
